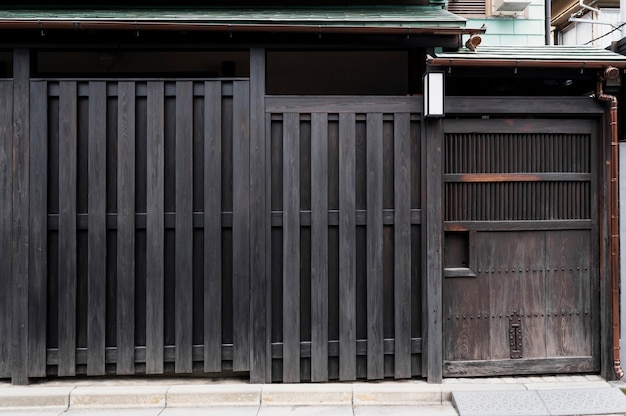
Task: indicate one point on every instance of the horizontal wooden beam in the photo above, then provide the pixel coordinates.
(516, 177)
(343, 104)
(169, 351)
(517, 225)
(520, 366)
(141, 86)
(523, 105)
(82, 220)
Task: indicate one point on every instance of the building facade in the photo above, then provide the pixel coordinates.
(272, 193)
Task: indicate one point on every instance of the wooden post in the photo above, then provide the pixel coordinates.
(260, 358)
(433, 250)
(20, 229)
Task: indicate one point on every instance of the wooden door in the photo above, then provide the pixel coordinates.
(345, 251)
(521, 247)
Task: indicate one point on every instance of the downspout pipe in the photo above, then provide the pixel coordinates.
(612, 73)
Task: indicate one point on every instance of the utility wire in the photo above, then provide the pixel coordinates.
(607, 33)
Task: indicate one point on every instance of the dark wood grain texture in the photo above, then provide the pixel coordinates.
(241, 226)
(347, 247)
(402, 245)
(259, 222)
(6, 224)
(212, 227)
(67, 229)
(38, 249)
(374, 163)
(126, 232)
(184, 227)
(97, 229)
(433, 250)
(20, 218)
(155, 229)
(319, 247)
(291, 248)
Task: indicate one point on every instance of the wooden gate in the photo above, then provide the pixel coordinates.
(345, 239)
(521, 280)
(139, 207)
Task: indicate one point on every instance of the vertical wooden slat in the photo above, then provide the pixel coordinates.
(126, 230)
(96, 245)
(259, 223)
(212, 226)
(38, 249)
(184, 226)
(374, 161)
(433, 252)
(347, 247)
(291, 248)
(20, 217)
(319, 247)
(155, 229)
(241, 226)
(6, 213)
(67, 229)
(402, 245)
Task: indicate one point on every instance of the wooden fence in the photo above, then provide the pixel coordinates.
(139, 232)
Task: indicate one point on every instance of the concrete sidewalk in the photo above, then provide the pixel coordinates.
(194, 396)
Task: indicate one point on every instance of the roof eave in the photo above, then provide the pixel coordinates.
(521, 63)
(436, 29)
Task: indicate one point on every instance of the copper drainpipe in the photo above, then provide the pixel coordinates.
(612, 73)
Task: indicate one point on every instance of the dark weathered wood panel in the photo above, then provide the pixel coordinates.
(97, 229)
(259, 222)
(155, 230)
(375, 364)
(67, 228)
(241, 225)
(319, 247)
(347, 247)
(212, 227)
(432, 159)
(20, 216)
(509, 367)
(38, 249)
(345, 104)
(291, 248)
(507, 126)
(125, 249)
(6, 214)
(184, 227)
(402, 245)
(583, 106)
(570, 317)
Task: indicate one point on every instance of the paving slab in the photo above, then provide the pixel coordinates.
(273, 410)
(584, 401)
(447, 389)
(443, 410)
(119, 396)
(498, 403)
(214, 395)
(211, 411)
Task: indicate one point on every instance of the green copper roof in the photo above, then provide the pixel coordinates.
(323, 16)
(521, 55)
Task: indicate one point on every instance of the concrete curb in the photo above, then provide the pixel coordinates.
(147, 395)
(307, 394)
(119, 396)
(214, 395)
(35, 396)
